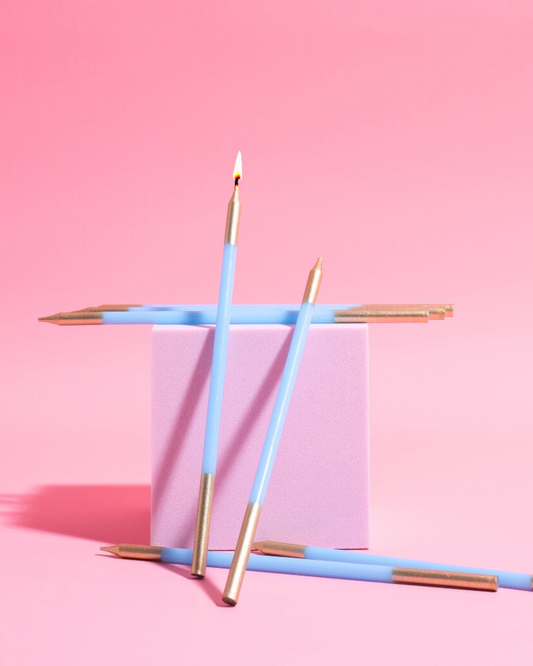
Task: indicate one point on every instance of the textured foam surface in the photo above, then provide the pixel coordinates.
(318, 492)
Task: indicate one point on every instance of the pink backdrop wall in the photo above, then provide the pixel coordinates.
(395, 140)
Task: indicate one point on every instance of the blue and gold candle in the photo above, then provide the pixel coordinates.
(273, 436)
(216, 387)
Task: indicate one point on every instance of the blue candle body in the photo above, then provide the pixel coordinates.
(281, 406)
(218, 367)
(237, 306)
(208, 315)
(517, 581)
(222, 560)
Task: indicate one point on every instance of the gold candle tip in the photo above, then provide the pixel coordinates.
(111, 549)
(74, 318)
(132, 551)
(280, 548)
(313, 283)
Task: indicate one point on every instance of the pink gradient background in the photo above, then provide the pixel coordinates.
(393, 138)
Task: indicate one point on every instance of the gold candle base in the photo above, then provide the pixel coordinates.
(467, 581)
(377, 315)
(203, 523)
(242, 554)
(436, 311)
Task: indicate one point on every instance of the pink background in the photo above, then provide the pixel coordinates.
(392, 138)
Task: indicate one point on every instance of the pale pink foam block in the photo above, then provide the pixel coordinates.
(318, 493)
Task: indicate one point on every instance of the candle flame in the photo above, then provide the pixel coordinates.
(237, 171)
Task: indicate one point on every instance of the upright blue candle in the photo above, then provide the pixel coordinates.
(216, 387)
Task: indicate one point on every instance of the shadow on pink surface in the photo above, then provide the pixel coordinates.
(107, 513)
(207, 586)
(175, 449)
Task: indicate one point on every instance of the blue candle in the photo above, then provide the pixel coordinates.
(517, 581)
(303, 567)
(270, 446)
(216, 387)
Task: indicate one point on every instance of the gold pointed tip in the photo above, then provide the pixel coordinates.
(237, 171)
(111, 549)
(50, 319)
(318, 265)
(258, 545)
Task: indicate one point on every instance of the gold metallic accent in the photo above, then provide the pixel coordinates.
(438, 308)
(203, 523)
(120, 307)
(467, 581)
(435, 311)
(313, 283)
(280, 548)
(133, 552)
(73, 318)
(375, 316)
(449, 309)
(242, 553)
(233, 217)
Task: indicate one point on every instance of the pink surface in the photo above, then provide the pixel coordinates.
(392, 138)
(318, 492)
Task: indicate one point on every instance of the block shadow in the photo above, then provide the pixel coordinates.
(103, 513)
(175, 448)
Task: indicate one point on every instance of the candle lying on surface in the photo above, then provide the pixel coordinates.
(517, 581)
(299, 567)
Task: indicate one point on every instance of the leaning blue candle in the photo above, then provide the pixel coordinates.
(374, 573)
(216, 387)
(273, 436)
(511, 579)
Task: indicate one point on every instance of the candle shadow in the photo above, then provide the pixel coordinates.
(103, 513)
(238, 441)
(205, 584)
(257, 406)
(184, 419)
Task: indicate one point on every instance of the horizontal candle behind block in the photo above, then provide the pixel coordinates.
(319, 488)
